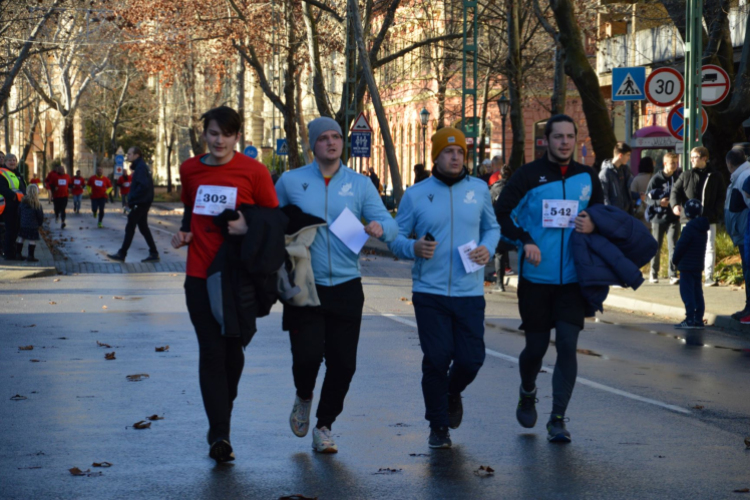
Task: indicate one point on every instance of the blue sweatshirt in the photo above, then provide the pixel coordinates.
(332, 261)
(455, 216)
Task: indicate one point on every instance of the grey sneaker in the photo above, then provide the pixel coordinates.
(323, 442)
(526, 409)
(440, 437)
(455, 411)
(299, 420)
(556, 431)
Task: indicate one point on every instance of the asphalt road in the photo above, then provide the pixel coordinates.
(654, 415)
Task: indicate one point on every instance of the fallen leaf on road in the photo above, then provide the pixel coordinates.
(743, 490)
(698, 407)
(137, 377)
(30, 326)
(56, 280)
(83, 310)
(52, 303)
(483, 471)
(33, 467)
(100, 344)
(78, 472)
(162, 349)
(25, 347)
(747, 442)
(110, 355)
(173, 275)
(387, 470)
(154, 418)
(404, 299)
(298, 497)
(101, 296)
(104, 307)
(418, 455)
(142, 424)
(101, 464)
(34, 360)
(117, 298)
(18, 397)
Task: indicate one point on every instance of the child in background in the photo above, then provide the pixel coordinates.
(32, 217)
(689, 256)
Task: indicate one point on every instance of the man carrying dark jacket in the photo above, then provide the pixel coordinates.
(543, 203)
(140, 197)
(705, 185)
(616, 177)
(664, 222)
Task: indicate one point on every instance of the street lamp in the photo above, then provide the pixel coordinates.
(424, 116)
(504, 105)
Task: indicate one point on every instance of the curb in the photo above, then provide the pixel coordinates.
(21, 273)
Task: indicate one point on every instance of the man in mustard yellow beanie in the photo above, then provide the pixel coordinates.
(452, 215)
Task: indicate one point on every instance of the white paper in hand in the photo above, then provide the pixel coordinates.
(350, 231)
(469, 265)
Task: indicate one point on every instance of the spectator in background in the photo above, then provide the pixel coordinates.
(735, 213)
(77, 185)
(420, 173)
(663, 221)
(639, 185)
(687, 257)
(615, 177)
(497, 166)
(485, 170)
(502, 260)
(374, 178)
(705, 185)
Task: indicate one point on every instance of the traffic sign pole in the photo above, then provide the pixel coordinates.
(693, 72)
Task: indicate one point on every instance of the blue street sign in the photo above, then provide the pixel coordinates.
(629, 84)
(361, 144)
(119, 165)
(282, 148)
(251, 151)
(584, 151)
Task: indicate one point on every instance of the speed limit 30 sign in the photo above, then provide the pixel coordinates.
(665, 87)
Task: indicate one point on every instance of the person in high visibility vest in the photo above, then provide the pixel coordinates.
(99, 186)
(12, 189)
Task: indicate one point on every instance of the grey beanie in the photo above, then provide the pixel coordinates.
(320, 125)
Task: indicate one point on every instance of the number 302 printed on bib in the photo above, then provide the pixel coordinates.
(213, 200)
(559, 213)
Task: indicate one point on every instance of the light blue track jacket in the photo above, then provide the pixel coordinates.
(332, 261)
(454, 216)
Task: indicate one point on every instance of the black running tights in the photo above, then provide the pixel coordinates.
(566, 366)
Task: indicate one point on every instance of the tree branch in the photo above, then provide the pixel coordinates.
(406, 50)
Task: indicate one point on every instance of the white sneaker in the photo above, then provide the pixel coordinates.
(710, 283)
(674, 281)
(653, 280)
(299, 420)
(323, 442)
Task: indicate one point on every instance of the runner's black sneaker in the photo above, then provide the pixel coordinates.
(526, 409)
(439, 438)
(153, 257)
(556, 431)
(455, 411)
(221, 451)
(116, 256)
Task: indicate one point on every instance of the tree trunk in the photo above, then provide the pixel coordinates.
(301, 126)
(68, 139)
(485, 108)
(560, 83)
(170, 146)
(30, 137)
(515, 82)
(442, 90)
(241, 100)
(578, 67)
(290, 114)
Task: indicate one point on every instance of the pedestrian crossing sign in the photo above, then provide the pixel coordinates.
(282, 147)
(628, 84)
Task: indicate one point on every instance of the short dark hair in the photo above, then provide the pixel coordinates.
(136, 150)
(558, 119)
(228, 120)
(621, 148)
(736, 157)
(646, 165)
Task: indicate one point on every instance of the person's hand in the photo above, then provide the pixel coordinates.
(643, 197)
(237, 227)
(532, 253)
(181, 239)
(676, 210)
(374, 229)
(480, 255)
(664, 202)
(584, 224)
(424, 249)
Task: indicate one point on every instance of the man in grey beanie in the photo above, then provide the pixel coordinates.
(325, 189)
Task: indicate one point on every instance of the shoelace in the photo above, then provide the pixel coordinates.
(526, 402)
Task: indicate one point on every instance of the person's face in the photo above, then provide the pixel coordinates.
(2, 159)
(220, 144)
(697, 160)
(131, 156)
(78, 173)
(99, 171)
(450, 161)
(670, 166)
(562, 141)
(11, 162)
(329, 146)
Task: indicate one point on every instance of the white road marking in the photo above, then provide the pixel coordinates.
(580, 380)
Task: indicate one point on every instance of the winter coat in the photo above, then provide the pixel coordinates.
(30, 218)
(736, 204)
(241, 279)
(298, 273)
(710, 193)
(615, 193)
(690, 251)
(142, 185)
(612, 255)
(496, 189)
(660, 187)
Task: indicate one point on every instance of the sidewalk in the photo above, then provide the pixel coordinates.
(660, 299)
(20, 269)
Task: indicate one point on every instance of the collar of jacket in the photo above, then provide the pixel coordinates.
(555, 167)
(317, 169)
(137, 163)
(742, 168)
(450, 181)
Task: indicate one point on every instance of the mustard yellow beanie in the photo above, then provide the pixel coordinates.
(447, 136)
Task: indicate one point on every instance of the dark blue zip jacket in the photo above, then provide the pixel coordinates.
(612, 255)
(690, 251)
(142, 185)
(519, 212)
